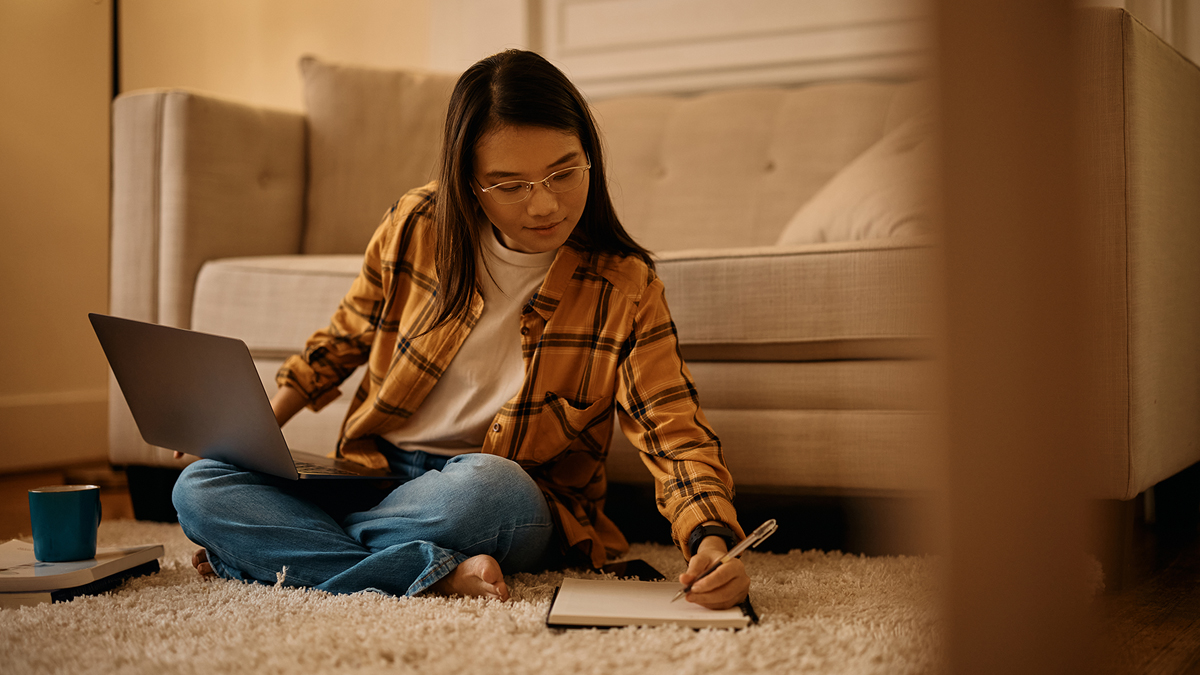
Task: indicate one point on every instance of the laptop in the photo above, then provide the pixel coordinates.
(200, 394)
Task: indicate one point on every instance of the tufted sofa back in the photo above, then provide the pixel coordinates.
(730, 168)
(713, 170)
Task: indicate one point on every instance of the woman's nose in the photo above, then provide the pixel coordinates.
(542, 202)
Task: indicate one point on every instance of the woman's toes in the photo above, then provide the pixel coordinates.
(200, 562)
(479, 576)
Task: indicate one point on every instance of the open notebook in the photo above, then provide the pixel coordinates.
(607, 603)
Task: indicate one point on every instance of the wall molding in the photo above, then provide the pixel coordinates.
(620, 47)
(55, 398)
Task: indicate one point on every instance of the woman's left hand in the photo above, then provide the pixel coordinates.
(725, 587)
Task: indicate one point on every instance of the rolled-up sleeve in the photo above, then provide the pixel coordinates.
(334, 352)
(659, 411)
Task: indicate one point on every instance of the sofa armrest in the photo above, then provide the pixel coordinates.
(1141, 153)
(194, 178)
(197, 178)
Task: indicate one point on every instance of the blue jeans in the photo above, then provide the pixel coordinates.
(399, 541)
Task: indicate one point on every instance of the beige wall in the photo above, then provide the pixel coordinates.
(248, 50)
(55, 83)
(1177, 21)
(55, 79)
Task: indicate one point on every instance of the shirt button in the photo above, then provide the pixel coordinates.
(496, 427)
(524, 330)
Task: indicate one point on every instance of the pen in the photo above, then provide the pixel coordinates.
(756, 537)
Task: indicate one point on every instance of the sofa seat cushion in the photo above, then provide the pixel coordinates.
(861, 425)
(273, 303)
(869, 299)
(852, 450)
(863, 384)
(849, 300)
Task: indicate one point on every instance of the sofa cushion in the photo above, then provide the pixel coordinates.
(729, 168)
(813, 303)
(856, 424)
(846, 300)
(373, 135)
(859, 384)
(273, 303)
(718, 169)
(886, 191)
(789, 450)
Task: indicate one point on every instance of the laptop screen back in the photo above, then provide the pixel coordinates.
(195, 393)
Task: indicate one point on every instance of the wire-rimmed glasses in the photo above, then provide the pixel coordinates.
(517, 191)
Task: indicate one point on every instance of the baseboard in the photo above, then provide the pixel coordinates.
(55, 429)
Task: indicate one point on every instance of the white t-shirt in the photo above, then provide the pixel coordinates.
(488, 370)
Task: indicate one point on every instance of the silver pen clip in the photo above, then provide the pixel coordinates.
(756, 537)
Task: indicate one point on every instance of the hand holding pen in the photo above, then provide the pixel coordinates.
(754, 539)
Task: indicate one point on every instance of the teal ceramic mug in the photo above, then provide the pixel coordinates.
(64, 519)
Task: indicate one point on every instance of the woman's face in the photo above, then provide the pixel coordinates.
(545, 220)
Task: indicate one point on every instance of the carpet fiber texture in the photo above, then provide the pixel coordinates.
(820, 613)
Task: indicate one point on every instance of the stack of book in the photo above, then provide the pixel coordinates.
(25, 581)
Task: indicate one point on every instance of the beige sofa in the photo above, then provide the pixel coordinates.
(788, 224)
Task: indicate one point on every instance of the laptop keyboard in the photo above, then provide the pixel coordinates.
(307, 467)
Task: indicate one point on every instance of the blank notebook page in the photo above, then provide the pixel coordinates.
(602, 602)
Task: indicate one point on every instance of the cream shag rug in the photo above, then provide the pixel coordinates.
(820, 613)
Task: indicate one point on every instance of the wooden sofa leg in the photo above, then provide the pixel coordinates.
(1136, 536)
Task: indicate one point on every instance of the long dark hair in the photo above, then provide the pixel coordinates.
(517, 88)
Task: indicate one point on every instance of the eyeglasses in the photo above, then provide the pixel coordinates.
(517, 191)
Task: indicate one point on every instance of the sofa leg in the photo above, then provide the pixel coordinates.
(150, 491)
(1138, 536)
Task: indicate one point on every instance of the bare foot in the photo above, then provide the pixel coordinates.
(200, 562)
(479, 576)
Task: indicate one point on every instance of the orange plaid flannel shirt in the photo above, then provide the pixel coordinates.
(597, 337)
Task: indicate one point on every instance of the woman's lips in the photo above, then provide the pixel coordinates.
(548, 229)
